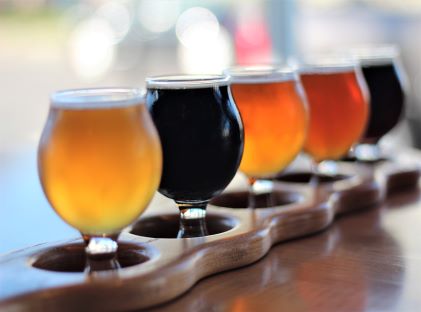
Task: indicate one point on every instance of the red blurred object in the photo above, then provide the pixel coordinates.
(252, 41)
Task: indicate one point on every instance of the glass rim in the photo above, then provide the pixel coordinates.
(376, 59)
(105, 97)
(186, 81)
(327, 68)
(260, 74)
(375, 54)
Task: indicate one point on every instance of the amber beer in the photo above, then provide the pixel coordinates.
(274, 115)
(99, 163)
(338, 110)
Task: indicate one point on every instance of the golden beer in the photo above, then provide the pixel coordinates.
(99, 162)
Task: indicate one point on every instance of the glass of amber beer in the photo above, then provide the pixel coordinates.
(273, 108)
(339, 110)
(99, 162)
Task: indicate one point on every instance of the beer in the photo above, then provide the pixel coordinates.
(99, 162)
(386, 97)
(275, 119)
(202, 141)
(201, 134)
(338, 110)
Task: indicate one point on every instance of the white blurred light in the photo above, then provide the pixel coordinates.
(211, 56)
(158, 15)
(92, 49)
(117, 15)
(197, 26)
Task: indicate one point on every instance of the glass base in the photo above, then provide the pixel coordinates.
(93, 265)
(192, 219)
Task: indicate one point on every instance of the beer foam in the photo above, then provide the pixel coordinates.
(375, 55)
(186, 81)
(97, 98)
(376, 60)
(260, 74)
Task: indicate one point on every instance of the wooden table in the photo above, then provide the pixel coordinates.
(369, 260)
(366, 261)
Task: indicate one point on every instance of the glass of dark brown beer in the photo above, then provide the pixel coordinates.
(99, 162)
(384, 76)
(202, 141)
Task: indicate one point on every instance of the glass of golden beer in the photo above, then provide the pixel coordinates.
(273, 109)
(339, 111)
(99, 162)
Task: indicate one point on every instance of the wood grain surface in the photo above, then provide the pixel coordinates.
(169, 267)
(365, 261)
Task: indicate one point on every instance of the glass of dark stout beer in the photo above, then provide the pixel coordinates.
(202, 140)
(384, 76)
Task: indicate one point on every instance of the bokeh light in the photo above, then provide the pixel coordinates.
(197, 26)
(204, 45)
(91, 48)
(211, 56)
(253, 43)
(158, 15)
(118, 16)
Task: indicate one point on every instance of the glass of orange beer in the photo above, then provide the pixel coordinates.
(273, 109)
(339, 110)
(99, 162)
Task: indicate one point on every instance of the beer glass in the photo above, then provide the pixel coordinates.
(99, 162)
(339, 111)
(273, 108)
(384, 76)
(202, 142)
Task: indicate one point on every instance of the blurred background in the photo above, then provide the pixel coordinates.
(47, 45)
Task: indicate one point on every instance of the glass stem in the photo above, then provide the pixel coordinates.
(101, 252)
(192, 219)
(101, 265)
(351, 153)
(251, 193)
(100, 247)
(315, 173)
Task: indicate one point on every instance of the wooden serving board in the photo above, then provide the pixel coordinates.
(157, 267)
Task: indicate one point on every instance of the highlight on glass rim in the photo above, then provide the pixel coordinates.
(182, 155)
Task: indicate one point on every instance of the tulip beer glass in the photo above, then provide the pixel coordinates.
(202, 142)
(99, 162)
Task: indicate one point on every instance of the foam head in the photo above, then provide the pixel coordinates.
(97, 98)
(186, 81)
(260, 74)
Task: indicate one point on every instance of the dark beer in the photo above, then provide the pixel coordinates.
(386, 97)
(201, 135)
